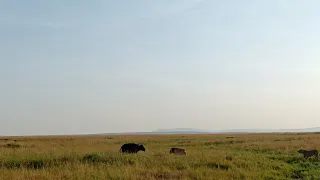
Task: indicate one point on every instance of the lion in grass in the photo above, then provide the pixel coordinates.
(177, 151)
(309, 153)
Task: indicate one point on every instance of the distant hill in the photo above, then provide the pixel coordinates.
(315, 129)
(180, 130)
(201, 131)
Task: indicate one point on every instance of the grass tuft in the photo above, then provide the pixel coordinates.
(11, 145)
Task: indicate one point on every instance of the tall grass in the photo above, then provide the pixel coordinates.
(243, 156)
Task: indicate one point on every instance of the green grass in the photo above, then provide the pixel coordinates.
(252, 156)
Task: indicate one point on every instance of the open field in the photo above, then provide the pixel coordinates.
(241, 156)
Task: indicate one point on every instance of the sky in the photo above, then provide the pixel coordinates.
(102, 66)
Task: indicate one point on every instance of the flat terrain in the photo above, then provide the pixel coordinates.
(241, 156)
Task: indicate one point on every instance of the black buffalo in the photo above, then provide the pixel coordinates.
(132, 148)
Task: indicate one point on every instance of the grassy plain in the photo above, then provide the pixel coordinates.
(232, 156)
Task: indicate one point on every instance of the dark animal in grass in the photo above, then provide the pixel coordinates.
(309, 153)
(132, 148)
(177, 151)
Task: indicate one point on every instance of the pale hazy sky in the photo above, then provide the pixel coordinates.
(81, 66)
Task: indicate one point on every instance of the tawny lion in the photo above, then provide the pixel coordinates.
(177, 151)
(309, 153)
